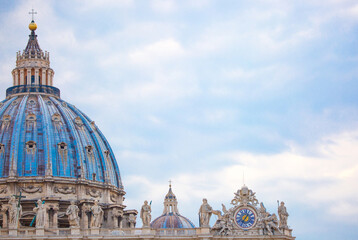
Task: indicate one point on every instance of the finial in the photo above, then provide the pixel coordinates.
(243, 176)
(170, 183)
(32, 25)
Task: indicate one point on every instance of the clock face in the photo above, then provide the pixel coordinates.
(245, 218)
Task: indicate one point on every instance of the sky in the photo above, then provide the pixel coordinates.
(213, 95)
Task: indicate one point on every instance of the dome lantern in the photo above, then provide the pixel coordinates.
(171, 217)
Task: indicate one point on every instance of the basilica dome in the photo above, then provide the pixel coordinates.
(53, 152)
(171, 217)
(41, 134)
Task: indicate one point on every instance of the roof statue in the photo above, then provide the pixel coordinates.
(57, 156)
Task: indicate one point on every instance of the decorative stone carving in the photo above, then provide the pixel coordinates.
(132, 219)
(113, 197)
(93, 192)
(64, 189)
(97, 215)
(245, 218)
(32, 189)
(40, 211)
(78, 122)
(245, 196)
(145, 214)
(72, 213)
(3, 190)
(283, 215)
(205, 212)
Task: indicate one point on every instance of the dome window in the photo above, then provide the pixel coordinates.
(30, 147)
(89, 150)
(32, 102)
(62, 146)
(62, 150)
(31, 117)
(14, 103)
(2, 148)
(56, 117)
(78, 121)
(6, 118)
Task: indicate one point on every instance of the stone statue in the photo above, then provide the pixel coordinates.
(145, 214)
(271, 223)
(205, 212)
(97, 215)
(15, 212)
(283, 215)
(40, 211)
(72, 213)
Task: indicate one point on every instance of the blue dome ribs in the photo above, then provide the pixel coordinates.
(17, 139)
(102, 162)
(5, 136)
(77, 155)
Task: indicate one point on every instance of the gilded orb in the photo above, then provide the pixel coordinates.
(32, 26)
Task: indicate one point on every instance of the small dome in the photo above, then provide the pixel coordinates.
(172, 220)
(32, 26)
(171, 217)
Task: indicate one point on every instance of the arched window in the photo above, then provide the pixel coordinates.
(30, 147)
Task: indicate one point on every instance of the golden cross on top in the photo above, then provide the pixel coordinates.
(32, 13)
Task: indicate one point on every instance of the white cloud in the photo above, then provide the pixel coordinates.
(328, 180)
(164, 6)
(157, 53)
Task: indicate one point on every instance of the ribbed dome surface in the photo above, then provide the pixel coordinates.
(43, 135)
(172, 220)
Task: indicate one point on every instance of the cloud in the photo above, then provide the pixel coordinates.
(326, 180)
(157, 53)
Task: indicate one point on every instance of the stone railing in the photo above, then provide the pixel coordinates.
(130, 232)
(126, 233)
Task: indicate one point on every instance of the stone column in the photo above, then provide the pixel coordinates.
(51, 80)
(49, 77)
(43, 78)
(4, 219)
(84, 211)
(37, 82)
(22, 77)
(16, 77)
(55, 216)
(28, 79)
